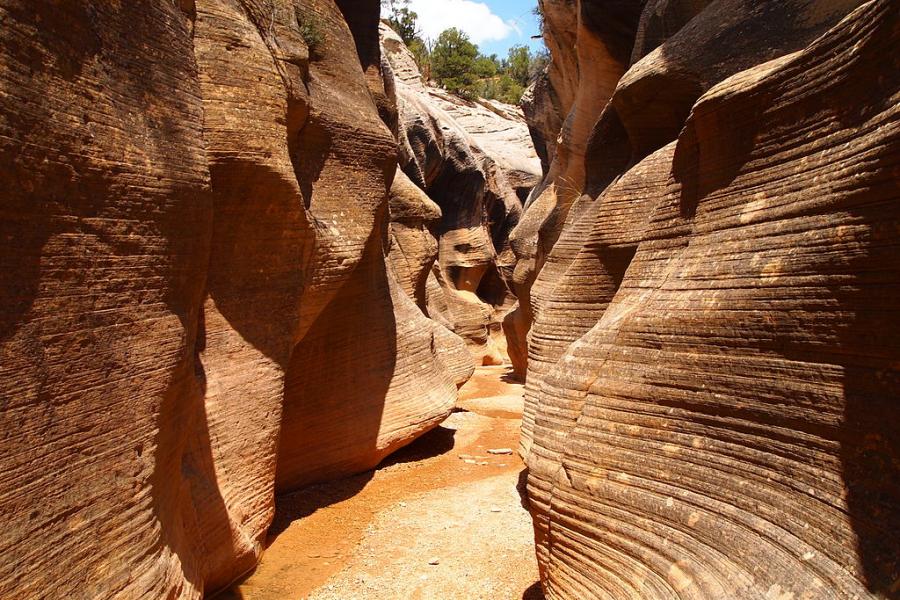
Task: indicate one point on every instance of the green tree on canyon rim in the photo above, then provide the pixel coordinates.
(455, 63)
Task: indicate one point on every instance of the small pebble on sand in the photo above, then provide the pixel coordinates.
(500, 451)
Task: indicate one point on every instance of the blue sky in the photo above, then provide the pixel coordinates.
(494, 25)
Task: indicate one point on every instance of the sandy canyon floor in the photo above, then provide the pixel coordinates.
(441, 519)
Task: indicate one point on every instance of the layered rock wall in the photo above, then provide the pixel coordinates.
(197, 308)
(475, 160)
(711, 392)
(576, 38)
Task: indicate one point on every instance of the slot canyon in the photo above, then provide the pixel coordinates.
(282, 318)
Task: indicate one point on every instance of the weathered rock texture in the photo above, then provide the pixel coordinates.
(647, 111)
(195, 305)
(576, 38)
(474, 159)
(543, 113)
(713, 380)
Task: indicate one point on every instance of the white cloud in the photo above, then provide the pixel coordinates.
(474, 18)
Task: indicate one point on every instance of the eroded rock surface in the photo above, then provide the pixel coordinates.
(710, 385)
(196, 303)
(578, 34)
(476, 162)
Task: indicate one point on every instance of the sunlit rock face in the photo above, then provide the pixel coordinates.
(196, 306)
(591, 45)
(578, 34)
(711, 384)
(475, 160)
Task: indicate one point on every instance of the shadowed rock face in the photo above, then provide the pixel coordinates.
(712, 391)
(106, 224)
(542, 109)
(196, 305)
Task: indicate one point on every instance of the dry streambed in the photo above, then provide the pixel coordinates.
(441, 519)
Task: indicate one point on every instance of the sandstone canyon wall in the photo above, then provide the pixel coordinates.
(202, 299)
(475, 160)
(712, 371)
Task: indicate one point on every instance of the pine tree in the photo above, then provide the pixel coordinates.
(453, 62)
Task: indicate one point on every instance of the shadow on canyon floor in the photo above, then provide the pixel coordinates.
(440, 440)
(534, 592)
(511, 377)
(306, 501)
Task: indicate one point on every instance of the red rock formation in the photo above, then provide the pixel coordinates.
(715, 421)
(647, 111)
(576, 38)
(195, 291)
(106, 224)
(542, 109)
(414, 247)
(471, 158)
(606, 237)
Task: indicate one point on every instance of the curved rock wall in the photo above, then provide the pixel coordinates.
(475, 160)
(196, 305)
(712, 388)
(647, 111)
(576, 38)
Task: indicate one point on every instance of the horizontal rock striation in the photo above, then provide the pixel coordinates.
(199, 301)
(648, 110)
(711, 374)
(576, 38)
(604, 241)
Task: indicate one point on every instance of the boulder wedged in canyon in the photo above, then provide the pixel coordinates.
(475, 161)
(726, 428)
(197, 304)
